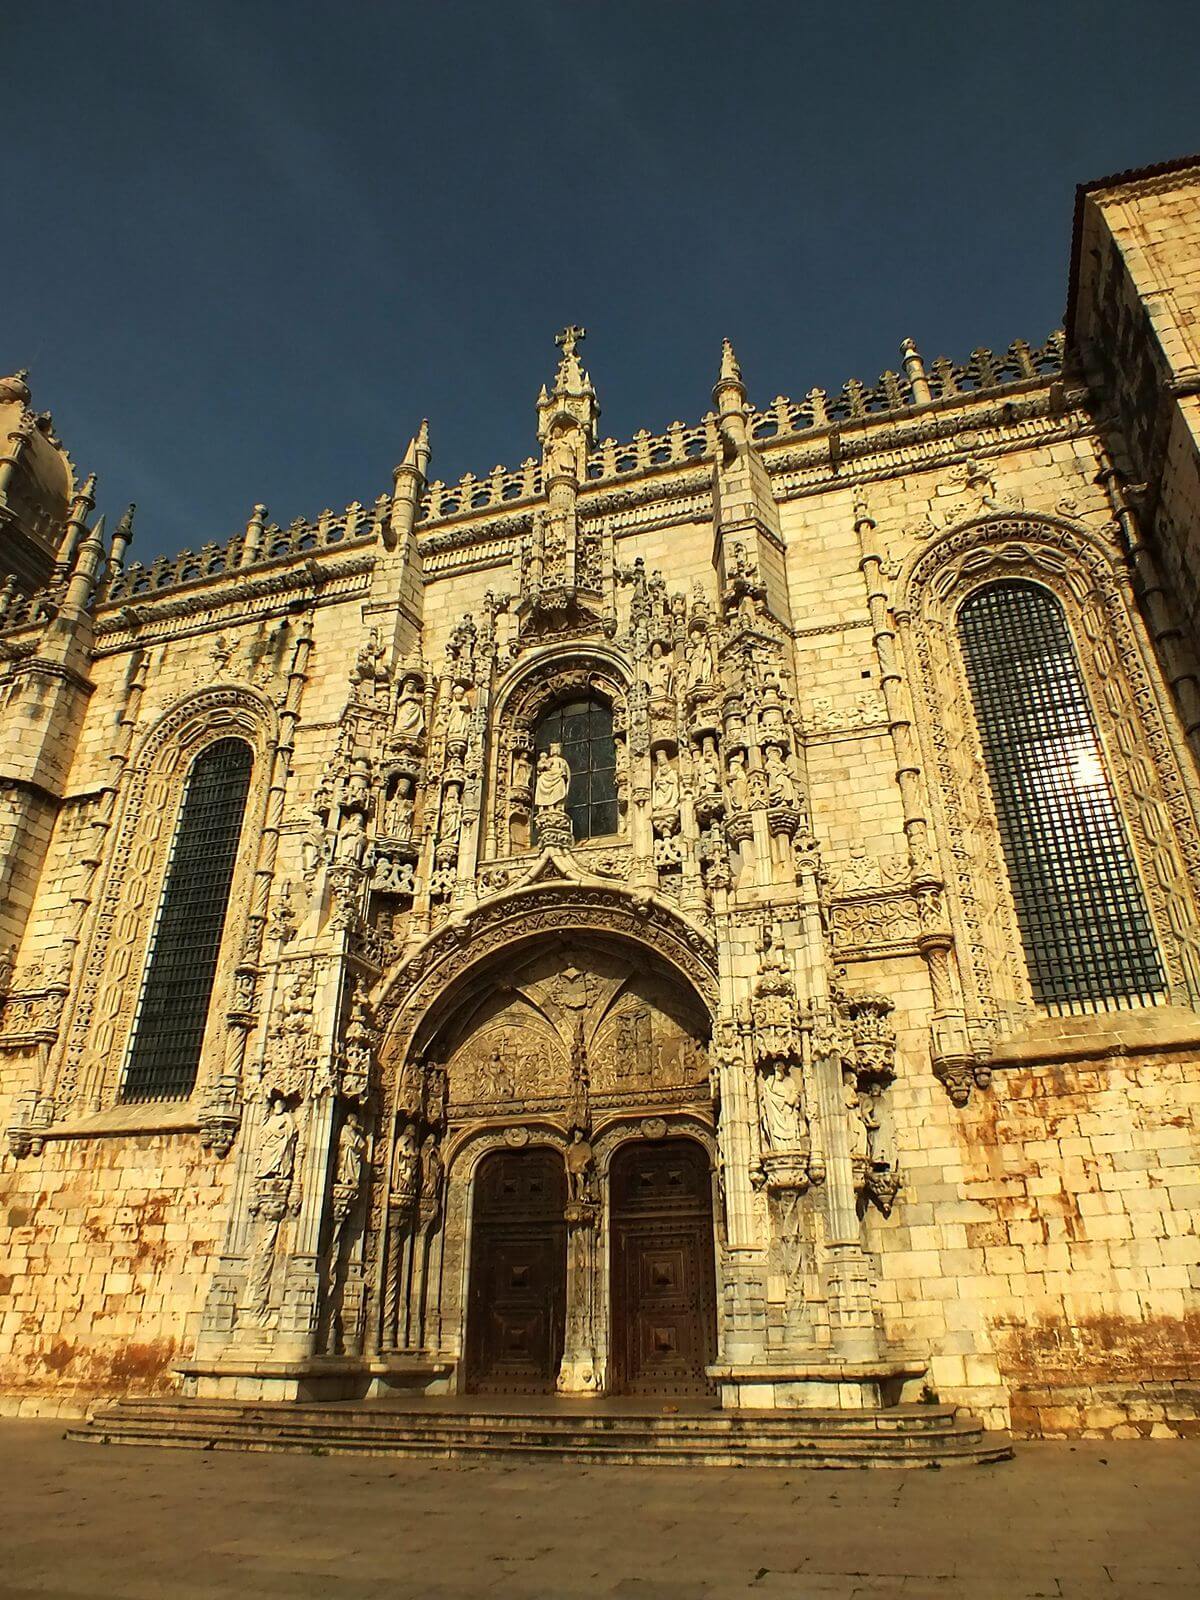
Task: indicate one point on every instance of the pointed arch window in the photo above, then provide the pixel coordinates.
(584, 729)
(1079, 902)
(168, 1030)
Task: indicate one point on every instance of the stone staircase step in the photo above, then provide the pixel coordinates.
(899, 1437)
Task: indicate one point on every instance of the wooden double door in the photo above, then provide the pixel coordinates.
(662, 1275)
(662, 1289)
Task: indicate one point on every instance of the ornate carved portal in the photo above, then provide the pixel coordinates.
(554, 1065)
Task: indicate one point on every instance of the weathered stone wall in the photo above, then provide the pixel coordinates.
(1045, 1248)
(109, 1244)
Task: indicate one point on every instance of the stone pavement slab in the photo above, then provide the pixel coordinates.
(1090, 1521)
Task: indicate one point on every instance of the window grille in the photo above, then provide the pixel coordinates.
(169, 1026)
(584, 729)
(1083, 918)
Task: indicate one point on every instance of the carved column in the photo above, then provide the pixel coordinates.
(952, 1056)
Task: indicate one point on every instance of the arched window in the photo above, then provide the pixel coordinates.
(169, 1027)
(1083, 918)
(584, 729)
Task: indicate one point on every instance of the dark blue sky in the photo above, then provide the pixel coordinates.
(248, 245)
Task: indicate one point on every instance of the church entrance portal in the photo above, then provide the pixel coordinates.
(663, 1288)
(517, 1308)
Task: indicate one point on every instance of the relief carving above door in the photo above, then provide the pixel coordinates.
(639, 1040)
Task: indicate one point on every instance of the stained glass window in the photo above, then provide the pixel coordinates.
(169, 1027)
(1083, 918)
(584, 729)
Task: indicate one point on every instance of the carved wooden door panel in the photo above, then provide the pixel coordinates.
(663, 1281)
(517, 1303)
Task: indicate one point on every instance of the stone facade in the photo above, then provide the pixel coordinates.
(793, 960)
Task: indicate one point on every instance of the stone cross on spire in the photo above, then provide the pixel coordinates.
(569, 338)
(570, 408)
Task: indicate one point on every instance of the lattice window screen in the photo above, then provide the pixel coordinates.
(169, 1026)
(1087, 934)
(584, 728)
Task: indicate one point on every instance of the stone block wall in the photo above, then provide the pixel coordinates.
(109, 1243)
(1046, 1247)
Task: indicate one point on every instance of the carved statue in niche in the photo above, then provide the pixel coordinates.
(561, 457)
(739, 781)
(665, 789)
(581, 1168)
(398, 819)
(708, 770)
(409, 719)
(860, 1119)
(276, 1153)
(700, 666)
(458, 717)
(522, 769)
(314, 845)
(781, 786)
(553, 780)
(432, 1175)
(660, 675)
(352, 840)
(357, 793)
(351, 1145)
(370, 665)
(451, 823)
(784, 1124)
(406, 1165)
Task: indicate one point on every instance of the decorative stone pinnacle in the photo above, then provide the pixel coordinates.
(124, 528)
(417, 453)
(730, 368)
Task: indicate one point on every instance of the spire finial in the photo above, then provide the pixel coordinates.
(914, 369)
(729, 392)
(570, 336)
(417, 454)
(124, 528)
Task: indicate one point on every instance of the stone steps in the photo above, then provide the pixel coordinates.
(931, 1436)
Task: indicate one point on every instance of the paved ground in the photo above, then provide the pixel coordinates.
(1092, 1521)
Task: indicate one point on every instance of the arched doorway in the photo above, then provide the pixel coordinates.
(662, 1271)
(517, 1299)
